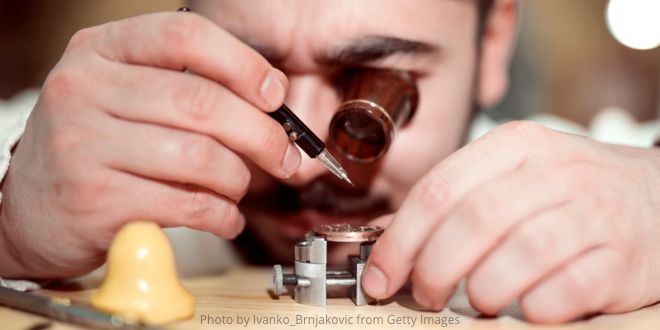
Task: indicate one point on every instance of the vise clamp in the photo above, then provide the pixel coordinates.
(311, 278)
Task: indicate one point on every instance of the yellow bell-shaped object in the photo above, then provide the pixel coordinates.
(141, 282)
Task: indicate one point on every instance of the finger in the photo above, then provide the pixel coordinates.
(177, 41)
(197, 104)
(530, 253)
(584, 286)
(172, 155)
(435, 196)
(176, 205)
(474, 228)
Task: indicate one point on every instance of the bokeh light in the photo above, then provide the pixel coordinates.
(635, 23)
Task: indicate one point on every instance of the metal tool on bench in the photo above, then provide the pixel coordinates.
(311, 278)
(62, 309)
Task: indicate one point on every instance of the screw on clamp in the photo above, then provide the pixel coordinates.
(280, 280)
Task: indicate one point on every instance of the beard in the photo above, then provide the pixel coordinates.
(278, 216)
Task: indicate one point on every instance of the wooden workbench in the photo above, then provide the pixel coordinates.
(245, 292)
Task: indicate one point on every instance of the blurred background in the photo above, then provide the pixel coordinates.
(568, 61)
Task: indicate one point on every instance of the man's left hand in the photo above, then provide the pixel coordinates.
(564, 225)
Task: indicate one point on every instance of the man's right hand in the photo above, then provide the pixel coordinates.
(120, 132)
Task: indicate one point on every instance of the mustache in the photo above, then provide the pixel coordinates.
(324, 194)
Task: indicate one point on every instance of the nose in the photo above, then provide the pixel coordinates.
(314, 100)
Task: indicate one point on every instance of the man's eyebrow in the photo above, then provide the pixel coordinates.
(373, 48)
(358, 51)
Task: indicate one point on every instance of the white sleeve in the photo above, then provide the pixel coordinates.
(13, 116)
(611, 125)
(614, 125)
(483, 124)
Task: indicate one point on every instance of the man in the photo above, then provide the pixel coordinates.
(565, 225)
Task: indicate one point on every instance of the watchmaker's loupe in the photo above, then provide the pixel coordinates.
(375, 104)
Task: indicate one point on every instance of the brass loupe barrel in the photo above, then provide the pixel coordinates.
(375, 104)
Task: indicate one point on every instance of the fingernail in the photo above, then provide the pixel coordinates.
(272, 91)
(291, 160)
(238, 229)
(374, 282)
(241, 225)
(421, 298)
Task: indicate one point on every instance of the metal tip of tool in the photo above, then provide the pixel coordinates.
(345, 178)
(331, 164)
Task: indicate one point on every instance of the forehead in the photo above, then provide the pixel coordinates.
(313, 25)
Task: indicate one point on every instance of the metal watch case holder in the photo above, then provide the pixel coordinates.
(311, 278)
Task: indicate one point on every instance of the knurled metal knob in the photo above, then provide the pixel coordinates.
(280, 280)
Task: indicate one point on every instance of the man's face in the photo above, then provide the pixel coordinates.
(313, 42)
